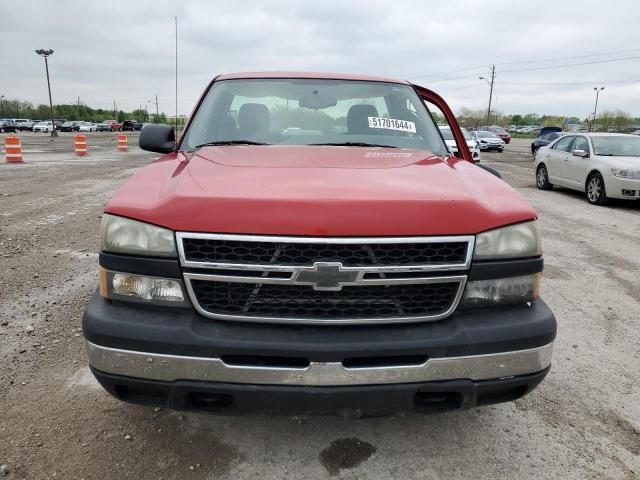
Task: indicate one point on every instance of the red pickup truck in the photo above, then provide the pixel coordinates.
(114, 124)
(309, 245)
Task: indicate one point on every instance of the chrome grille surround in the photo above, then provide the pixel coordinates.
(351, 276)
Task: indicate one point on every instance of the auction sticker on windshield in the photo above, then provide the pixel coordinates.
(392, 124)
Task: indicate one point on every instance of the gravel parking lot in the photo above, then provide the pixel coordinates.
(56, 422)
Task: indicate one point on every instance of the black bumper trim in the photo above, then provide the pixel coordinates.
(487, 270)
(169, 331)
(360, 401)
(159, 267)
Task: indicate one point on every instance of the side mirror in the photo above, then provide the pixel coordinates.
(489, 169)
(158, 138)
(580, 153)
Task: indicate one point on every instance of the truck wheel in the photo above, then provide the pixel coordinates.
(596, 193)
(542, 178)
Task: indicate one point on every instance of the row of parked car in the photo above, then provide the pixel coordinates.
(10, 125)
(484, 139)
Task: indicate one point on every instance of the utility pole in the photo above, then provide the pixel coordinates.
(1, 110)
(157, 112)
(595, 110)
(46, 53)
(115, 111)
(490, 82)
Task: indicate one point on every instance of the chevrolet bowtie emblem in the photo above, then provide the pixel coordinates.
(326, 276)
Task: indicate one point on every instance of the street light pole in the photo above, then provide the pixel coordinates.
(46, 53)
(595, 109)
(1, 108)
(493, 77)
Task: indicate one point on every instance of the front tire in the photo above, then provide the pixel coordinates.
(542, 178)
(596, 192)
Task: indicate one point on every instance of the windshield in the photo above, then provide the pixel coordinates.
(313, 111)
(616, 146)
(499, 130)
(466, 134)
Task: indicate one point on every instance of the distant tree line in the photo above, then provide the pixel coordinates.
(607, 120)
(14, 108)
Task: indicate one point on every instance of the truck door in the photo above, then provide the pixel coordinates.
(435, 99)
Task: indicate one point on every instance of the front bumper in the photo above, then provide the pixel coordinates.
(171, 368)
(491, 146)
(165, 356)
(351, 401)
(623, 188)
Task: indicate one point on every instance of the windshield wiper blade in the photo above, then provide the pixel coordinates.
(352, 144)
(230, 142)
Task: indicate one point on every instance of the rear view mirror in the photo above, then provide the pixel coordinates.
(317, 101)
(580, 153)
(158, 138)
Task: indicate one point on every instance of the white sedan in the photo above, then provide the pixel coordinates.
(604, 165)
(43, 127)
(474, 147)
(87, 127)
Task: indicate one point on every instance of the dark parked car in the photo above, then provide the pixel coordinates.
(69, 127)
(500, 132)
(547, 135)
(131, 125)
(8, 126)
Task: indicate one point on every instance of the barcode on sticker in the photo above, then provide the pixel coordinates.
(392, 124)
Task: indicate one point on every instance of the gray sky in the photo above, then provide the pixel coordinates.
(124, 51)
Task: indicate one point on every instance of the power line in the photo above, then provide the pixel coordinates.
(606, 82)
(531, 61)
(452, 71)
(551, 67)
(569, 57)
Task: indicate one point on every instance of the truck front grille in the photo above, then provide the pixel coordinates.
(305, 303)
(324, 280)
(352, 254)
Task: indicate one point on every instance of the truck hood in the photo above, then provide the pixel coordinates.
(318, 190)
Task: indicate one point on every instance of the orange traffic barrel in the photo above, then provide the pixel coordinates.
(80, 145)
(122, 143)
(13, 149)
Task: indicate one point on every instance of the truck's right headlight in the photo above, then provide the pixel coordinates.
(521, 240)
(132, 287)
(123, 235)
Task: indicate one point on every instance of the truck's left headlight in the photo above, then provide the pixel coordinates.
(511, 290)
(123, 235)
(521, 240)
